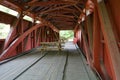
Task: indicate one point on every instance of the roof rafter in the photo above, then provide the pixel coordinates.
(49, 3)
(78, 8)
(61, 18)
(52, 11)
(32, 1)
(14, 4)
(62, 11)
(60, 15)
(48, 23)
(49, 10)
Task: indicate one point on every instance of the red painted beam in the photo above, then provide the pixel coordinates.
(97, 46)
(7, 53)
(50, 3)
(109, 37)
(12, 29)
(47, 23)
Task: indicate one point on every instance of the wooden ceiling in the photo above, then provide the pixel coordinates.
(63, 14)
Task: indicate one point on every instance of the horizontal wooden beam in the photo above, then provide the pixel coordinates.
(63, 11)
(59, 15)
(69, 21)
(50, 10)
(79, 9)
(65, 25)
(32, 1)
(66, 28)
(42, 3)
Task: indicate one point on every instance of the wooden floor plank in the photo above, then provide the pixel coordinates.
(10, 70)
(77, 69)
(51, 67)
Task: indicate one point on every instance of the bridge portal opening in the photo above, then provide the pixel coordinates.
(67, 35)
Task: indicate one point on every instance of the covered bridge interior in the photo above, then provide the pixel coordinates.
(96, 26)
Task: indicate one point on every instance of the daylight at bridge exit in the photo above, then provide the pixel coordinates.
(59, 40)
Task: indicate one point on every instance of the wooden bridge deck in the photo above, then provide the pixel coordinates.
(67, 64)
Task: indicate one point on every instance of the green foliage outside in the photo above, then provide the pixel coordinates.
(4, 30)
(66, 34)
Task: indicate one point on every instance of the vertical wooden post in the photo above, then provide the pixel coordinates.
(88, 52)
(97, 47)
(33, 36)
(90, 31)
(20, 32)
(12, 29)
(109, 37)
(96, 41)
(38, 36)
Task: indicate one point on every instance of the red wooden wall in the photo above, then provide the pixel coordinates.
(99, 37)
(24, 35)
